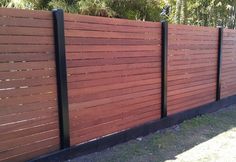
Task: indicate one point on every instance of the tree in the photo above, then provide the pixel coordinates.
(23, 4)
(95, 7)
(200, 12)
(145, 10)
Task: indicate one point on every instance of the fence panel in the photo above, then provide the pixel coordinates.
(28, 113)
(114, 77)
(113, 74)
(192, 67)
(228, 83)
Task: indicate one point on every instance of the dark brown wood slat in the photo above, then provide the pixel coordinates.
(104, 55)
(177, 92)
(27, 99)
(187, 75)
(186, 57)
(27, 89)
(116, 82)
(190, 84)
(27, 82)
(194, 104)
(108, 41)
(108, 68)
(110, 21)
(11, 75)
(104, 34)
(192, 38)
(13, 12)
(88, 48)
(185, 82)
(43, 89)
(11, 118)
(118, 124)
(108, 27)
(7, 57)
(107, 94)
(25, 22)
(26, 65)
(192, 97)
(29, 123)
(96, 89)
(110, 74)
(28, 107)
(187, 32)
(187, 66)
(110, 116)
(25, 31)
(191, 71)
(111, 65)
(192, 61)
(228, 64)
(25, 132)
(27, 48)
(113, 99)
(40, 150)
(100, 130)
(21, 141)
(192, 47)
(192, 52)
(191, 28)
(190, 93)
(113, 61)
(99, 110)
(28, 150)
(27, 40)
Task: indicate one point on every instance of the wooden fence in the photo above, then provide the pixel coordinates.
(28, 96)
(113, 74)
(192, 67)
(114, 77)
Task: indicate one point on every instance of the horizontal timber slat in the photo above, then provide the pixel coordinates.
(110, 63)
(28, 94)
(114, 70)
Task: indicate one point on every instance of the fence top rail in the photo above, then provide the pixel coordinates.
(22, 13)
(232, 31)
(69, 17)
(194, 27)
(74, 17)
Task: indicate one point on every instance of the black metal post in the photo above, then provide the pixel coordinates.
(164, 51)
(58, 19)
(218, 88)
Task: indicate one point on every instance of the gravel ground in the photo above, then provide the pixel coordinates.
(207, 138)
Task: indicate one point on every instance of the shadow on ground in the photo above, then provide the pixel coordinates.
(167, 144)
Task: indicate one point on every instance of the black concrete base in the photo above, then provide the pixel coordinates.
(111, 140)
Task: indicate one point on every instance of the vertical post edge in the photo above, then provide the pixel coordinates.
(61, 73)
(219, 63)
(164, 55)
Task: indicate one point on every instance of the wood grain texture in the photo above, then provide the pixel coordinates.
(113, 65)
(28, 95)
(228, 80)
(113, 76)
(192, 65)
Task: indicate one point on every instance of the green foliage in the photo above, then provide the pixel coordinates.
(148, 10)
(23, 4)
(194, 12)
(66, 5)
(95, 7)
